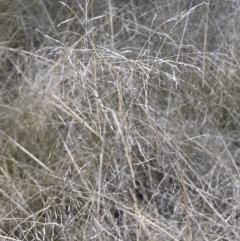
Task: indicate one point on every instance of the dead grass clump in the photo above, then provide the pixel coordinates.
(119, 121)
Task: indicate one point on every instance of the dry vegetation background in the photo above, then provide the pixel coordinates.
(119, 120)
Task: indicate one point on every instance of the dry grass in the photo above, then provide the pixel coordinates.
(110, 129)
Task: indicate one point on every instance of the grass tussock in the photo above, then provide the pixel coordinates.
(119, 120)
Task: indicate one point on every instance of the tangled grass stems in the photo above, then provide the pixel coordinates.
(106, 128)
